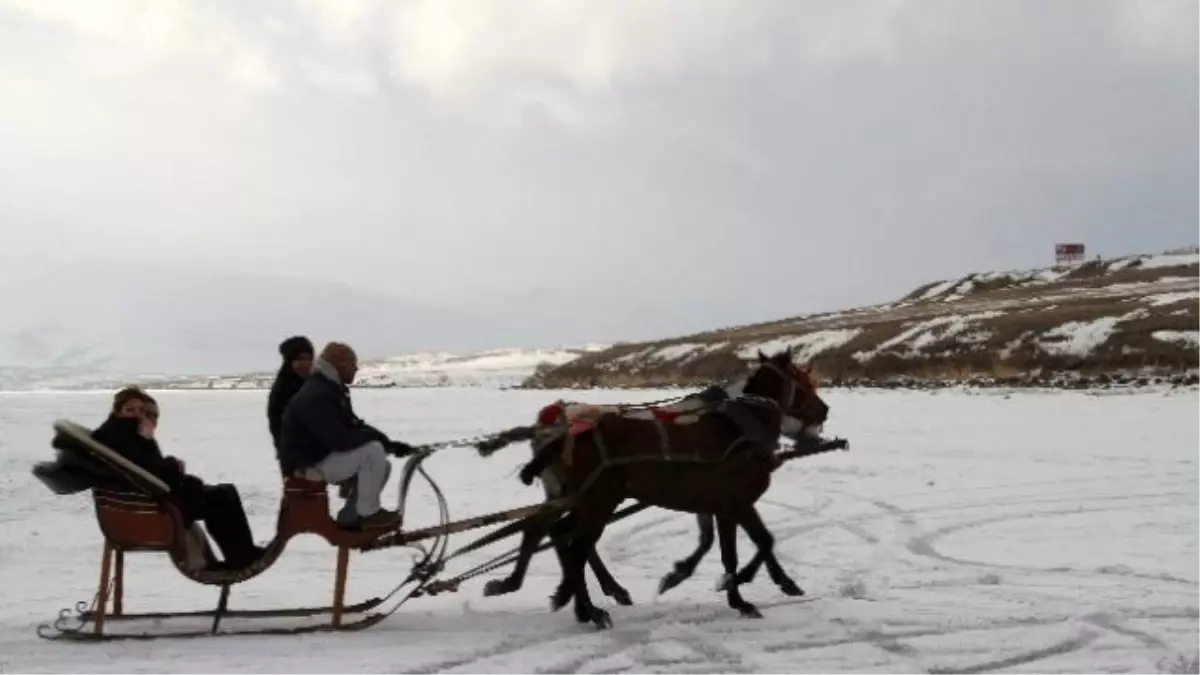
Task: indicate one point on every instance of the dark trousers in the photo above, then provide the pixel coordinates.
(220, 507)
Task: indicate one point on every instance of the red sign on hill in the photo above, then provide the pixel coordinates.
(1068, 253)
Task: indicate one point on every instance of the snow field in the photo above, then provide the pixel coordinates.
(967, 532)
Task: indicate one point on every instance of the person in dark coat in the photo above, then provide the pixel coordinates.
(321, 432)
(129, 431)
(297, 352)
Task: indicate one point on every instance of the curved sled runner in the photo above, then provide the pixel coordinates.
(135, 514)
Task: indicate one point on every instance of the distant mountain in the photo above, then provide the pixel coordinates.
(126, 320)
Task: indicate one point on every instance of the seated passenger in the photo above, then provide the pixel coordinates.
(129, 431)
(321, 432)
(297, 353)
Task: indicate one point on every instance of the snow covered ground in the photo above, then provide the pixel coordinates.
(964, 532)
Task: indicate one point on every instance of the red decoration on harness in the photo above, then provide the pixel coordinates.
(581, 426)
(550, 414)
(665, 416)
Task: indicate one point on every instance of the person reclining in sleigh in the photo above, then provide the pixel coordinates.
(320, 432)
(129, 431)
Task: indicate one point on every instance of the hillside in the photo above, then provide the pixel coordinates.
(1133, 317)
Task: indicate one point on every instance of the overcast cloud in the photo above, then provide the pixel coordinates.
(589, 170)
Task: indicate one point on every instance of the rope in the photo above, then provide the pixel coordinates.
(481, 438)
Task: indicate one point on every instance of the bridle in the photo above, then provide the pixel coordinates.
(791, 425)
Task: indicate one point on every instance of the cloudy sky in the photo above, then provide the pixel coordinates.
(598, 170)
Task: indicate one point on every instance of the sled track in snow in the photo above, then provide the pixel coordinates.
(696, 638)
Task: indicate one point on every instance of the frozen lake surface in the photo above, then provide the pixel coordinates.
(1040, 532)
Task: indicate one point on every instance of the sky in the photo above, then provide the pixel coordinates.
(541, 172)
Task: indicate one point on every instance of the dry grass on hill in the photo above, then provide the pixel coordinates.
(1123, 317)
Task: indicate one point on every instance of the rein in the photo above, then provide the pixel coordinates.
(488, 438)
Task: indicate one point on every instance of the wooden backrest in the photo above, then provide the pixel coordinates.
(135, 516)
(136, 522)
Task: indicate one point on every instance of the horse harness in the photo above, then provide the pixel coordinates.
(729, 402)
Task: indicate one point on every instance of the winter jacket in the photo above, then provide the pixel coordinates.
(286, 384)
(320, 421)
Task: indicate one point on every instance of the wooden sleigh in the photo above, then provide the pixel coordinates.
(135, 514)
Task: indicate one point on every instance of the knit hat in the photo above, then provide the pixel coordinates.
(293, 347)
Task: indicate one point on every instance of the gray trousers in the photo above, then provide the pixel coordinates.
(369, 463)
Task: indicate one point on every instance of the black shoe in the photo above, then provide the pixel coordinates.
(383, 519)
(247, 559)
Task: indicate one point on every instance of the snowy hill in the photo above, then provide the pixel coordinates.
(493, 368)
(1128, 316)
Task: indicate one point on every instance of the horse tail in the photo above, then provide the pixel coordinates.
(541, 459)
(496, 442)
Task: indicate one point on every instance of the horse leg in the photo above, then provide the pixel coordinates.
(747, 573)
(560, 532)
(592, 522)
(530, 538)
(727, 532)
(757, 530)
(608, 584)
(686, 567)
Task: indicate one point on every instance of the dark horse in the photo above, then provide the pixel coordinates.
(706, 401)
(700, 468)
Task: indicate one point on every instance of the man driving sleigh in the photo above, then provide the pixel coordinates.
(321, 432)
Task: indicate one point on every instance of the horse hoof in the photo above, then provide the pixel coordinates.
(749, 611)
(671, 580)
(723, 582)
(790, 588)
(621, 597)
(601, 619)
(560, 599)
(497, 587)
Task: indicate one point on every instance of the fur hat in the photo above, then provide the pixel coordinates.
(293, 347)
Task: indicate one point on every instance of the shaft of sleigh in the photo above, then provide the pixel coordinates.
(405, 538)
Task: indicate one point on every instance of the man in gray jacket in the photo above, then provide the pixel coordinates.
(320, 431)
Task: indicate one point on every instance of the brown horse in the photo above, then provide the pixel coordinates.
(700, 468)
(707, 401)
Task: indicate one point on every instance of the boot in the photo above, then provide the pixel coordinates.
(383, 519)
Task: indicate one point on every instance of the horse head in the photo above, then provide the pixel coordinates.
(778, 379)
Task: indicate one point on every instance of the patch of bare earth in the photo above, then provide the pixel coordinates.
(1128, 319)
